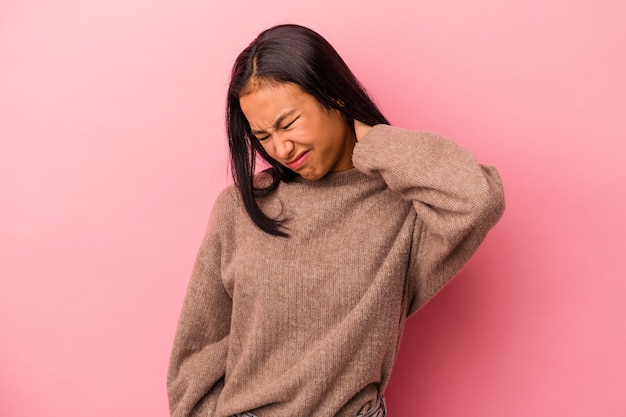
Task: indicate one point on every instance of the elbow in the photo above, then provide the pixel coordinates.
(490, 202)
(493, 208)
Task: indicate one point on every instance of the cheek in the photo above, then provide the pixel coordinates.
(334, 137)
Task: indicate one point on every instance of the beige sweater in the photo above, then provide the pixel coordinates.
(310, 325)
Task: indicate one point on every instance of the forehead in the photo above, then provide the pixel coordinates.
(264, 104)
(272, 93)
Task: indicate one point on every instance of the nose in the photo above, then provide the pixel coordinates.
(283, 147)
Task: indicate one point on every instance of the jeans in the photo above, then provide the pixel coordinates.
(379, 410)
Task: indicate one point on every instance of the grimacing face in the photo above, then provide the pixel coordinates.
(298, 131)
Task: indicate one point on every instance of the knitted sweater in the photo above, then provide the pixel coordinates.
(310, 325)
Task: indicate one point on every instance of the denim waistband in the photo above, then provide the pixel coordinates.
(379, 410)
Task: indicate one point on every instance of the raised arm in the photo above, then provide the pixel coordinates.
(456, 199)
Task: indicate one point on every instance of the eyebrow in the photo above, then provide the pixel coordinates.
(279, 120)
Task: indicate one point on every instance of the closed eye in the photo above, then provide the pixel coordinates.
(261, 136)
(290, 123)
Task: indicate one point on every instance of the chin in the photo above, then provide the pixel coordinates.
(312, 176)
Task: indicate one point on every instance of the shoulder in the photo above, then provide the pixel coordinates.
(388, 132)
(225, 206)
(226, 200)
(229, 204)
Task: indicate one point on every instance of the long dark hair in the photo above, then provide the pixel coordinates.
(287, 54)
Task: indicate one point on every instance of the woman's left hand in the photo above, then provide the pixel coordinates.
(360, 129)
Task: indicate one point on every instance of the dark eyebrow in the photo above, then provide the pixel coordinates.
(279, 120)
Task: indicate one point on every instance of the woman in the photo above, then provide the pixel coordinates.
(308, 270)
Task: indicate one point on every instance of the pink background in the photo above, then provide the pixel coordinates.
(113, 150)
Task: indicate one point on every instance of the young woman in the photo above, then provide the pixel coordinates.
(309, 269)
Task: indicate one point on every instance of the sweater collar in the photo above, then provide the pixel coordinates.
(351, 176)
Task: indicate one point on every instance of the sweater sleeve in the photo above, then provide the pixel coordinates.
(456, 200)
(198, 360)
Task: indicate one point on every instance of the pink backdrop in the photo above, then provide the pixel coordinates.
(113, 150)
